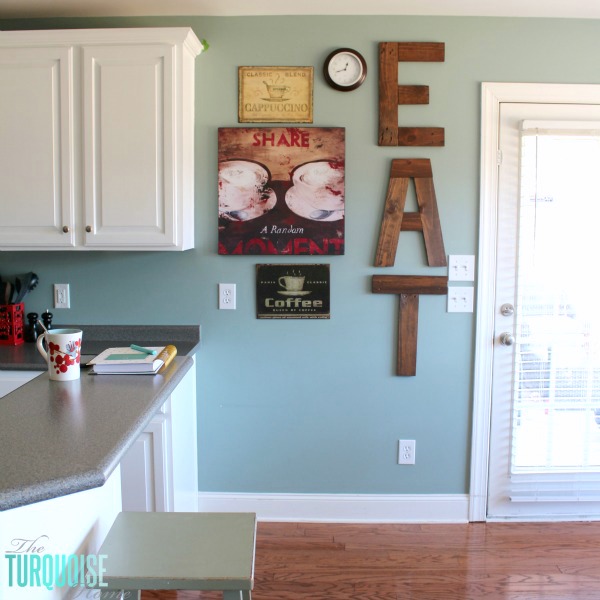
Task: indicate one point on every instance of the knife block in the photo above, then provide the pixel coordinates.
(12, 324)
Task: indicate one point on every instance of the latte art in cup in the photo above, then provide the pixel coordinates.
(243, 190)
(240, 184)
(320, 184)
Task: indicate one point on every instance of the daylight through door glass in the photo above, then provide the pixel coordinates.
(556, 388)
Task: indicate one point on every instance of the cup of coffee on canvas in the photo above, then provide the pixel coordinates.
(63, 353)
(292, 283)
(276, 92)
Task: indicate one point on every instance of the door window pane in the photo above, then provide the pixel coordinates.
(556, 388)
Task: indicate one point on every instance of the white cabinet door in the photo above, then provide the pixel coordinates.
(97, 139)
(36, 152)
(128, 96)
(145, 470)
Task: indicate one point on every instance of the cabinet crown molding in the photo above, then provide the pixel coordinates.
(126, 35)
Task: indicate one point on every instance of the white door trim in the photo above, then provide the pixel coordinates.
(492, 95)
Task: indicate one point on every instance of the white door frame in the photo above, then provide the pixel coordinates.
(492, 95)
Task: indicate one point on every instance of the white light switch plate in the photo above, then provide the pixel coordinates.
(461, 267)
(460, 299)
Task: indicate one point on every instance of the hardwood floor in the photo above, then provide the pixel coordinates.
(494, 561)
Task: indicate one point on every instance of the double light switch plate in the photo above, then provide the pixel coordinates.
(461, 267)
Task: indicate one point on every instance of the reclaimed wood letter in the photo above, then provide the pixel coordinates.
(427, 220)
(408, 288)
(391, 94)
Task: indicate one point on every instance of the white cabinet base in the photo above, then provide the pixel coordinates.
(160, 470)
(74, 524)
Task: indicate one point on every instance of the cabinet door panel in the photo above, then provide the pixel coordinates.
(36, 159)
(129, 145)
(145, 470)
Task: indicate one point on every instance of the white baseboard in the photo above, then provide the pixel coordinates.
(348, 508)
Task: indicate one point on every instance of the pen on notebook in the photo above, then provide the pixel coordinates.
(142, 349)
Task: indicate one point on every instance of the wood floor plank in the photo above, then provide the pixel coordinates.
(324, 560)
(298, 543)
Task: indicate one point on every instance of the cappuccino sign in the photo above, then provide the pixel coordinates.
(292, 291)
(275, 94)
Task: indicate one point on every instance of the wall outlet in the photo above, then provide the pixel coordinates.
(62, 295)
(461, 267)
(227, 296)
(460, 299)
(406, 452)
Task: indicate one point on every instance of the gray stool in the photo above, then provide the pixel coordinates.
(180, 551)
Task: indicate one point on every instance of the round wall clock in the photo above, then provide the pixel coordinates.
(345, 69)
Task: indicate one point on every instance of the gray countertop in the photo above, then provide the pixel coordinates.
(63, 437)
(96, 338)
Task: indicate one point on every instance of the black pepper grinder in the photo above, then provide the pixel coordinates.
(47, 319)
(31, 332)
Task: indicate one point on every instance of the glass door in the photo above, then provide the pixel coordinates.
(545, 426)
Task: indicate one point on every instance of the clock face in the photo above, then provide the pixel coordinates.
(345, 69)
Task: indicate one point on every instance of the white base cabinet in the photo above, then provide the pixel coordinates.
(75, 524)
(160, 471)
(97, 139)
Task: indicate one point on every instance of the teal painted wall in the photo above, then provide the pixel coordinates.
(314, 406)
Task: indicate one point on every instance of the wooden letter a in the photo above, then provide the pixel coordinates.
(395, 219)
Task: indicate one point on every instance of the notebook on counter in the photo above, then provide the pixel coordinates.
(125, 361)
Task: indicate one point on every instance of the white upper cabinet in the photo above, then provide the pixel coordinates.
(97, 139)
(37, 193)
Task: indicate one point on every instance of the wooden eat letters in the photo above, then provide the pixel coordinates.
(426, 220)
(408, 287)
(395, 219)
(391, 94)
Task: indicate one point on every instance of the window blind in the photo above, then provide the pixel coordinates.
(555, 433)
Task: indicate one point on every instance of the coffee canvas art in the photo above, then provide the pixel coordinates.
(292, 291)
(281, 190)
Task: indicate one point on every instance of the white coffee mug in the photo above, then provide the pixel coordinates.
(63, 354)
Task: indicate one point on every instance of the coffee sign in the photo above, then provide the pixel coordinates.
(275, 94)
(292, 291)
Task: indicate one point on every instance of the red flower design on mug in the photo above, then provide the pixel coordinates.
(63, 360)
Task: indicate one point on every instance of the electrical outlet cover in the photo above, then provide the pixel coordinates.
(62, 296)
(227, 296)
(406, 452)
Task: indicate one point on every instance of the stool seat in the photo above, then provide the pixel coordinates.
(181, 551)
